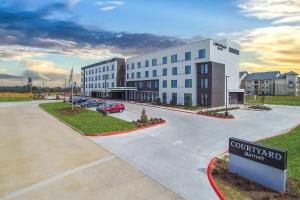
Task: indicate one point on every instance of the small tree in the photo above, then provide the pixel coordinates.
(158, 101)
(189, 102)
(144, 117)
(262, 101)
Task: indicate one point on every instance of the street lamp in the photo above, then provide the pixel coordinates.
(105, 77)
(226, 96)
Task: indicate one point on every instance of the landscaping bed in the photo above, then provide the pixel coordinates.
(260, 107)
(86, 121)
(235, 187)
(145, 121)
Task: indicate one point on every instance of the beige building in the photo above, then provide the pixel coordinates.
(287, 84)
(261, 83)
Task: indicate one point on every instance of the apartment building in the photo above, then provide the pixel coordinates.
(189, 74)
(287, 84)
(106, 77)
(260, 83)
(193, 73)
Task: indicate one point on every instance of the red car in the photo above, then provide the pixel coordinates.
(114, 107)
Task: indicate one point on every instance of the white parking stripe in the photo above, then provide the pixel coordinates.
(55, 178)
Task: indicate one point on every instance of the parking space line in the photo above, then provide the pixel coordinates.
(55, 178)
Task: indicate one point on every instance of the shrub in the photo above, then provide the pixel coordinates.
(158, 101)
(144, 117)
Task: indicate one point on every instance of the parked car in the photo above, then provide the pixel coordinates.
(111, 108)
(80, 100)
(74, 98)
(102, 105)
(91, 103)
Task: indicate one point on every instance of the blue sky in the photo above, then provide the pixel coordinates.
(43, 39)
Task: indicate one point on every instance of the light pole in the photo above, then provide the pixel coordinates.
(105, 77)
(226, 96)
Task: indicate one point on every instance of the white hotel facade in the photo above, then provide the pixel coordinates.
(189, 74)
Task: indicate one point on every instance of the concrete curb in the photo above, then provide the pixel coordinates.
(123, 132)
(212, 181)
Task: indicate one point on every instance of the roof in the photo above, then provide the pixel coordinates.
(101, 63)
(262, 76)
(242, 73)
(284, 75)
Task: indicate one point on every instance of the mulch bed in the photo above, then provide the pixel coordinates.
(215, 115)
(251, 189)
(69, 111)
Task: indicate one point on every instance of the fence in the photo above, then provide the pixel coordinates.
(14, 94)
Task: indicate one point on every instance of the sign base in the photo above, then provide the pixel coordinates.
(263, 174)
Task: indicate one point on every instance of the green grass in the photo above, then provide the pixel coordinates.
(14, 99)
(275, 100)
(88, 121)
(290, 142)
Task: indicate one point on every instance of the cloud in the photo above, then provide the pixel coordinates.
(9, 76)
(272, 48)
(279, 11)
(109, 5)
(107, 8)
(33, 30)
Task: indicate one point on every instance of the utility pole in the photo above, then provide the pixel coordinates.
(65, 90)
(226, 107)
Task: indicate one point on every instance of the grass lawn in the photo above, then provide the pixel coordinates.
(275, 100)
(290, 142)
(88, 121)
(13, 99)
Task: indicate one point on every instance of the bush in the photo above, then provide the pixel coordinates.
(158, 101)
(144, 117)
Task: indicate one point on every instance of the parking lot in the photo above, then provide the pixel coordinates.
(177, 154)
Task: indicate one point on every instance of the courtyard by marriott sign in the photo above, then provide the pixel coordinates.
(269, 156)
(259, 163)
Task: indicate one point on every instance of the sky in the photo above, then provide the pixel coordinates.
(45, 39)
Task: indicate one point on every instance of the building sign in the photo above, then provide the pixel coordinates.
(220, 46)
(259, 153)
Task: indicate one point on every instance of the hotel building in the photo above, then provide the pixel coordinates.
(189, 74)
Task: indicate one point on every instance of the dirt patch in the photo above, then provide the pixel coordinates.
(69, 111)
(248, 188)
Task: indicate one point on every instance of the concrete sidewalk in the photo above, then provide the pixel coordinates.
(42, 158)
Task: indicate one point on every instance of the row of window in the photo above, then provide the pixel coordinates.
(187, 83)
(187, 98)
(99, 77)
(187, 70)
(173, 59)
(95, 85)
(100, 69)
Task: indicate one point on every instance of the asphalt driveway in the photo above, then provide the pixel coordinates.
(177, 154)
(42, 158)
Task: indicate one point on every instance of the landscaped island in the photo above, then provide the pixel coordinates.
(86, 121)
(236, 187)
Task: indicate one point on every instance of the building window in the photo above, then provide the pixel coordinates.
(187, 69)
(146, 74)
(187, 98)
(188, 83)
(174, 98)
(156, 84)
(107, 68)
(96, 70)
(132, 75)
(147, 63)
(112, 76)
(164, 83)
(139, 64)
(204, 68)
(202, 53)
(173, 83)
(165, 60)
(138, 75)
(112, 84)
(127, 66)
(165, 72)
(132, 65)
(164, 97)
(174, 58)
(154, 62)
(95, 85)
(127, 76)
(174, 70)
(112, 67)
(206, 83)
(103, 69)
(154, 73)
(99, 85)
(187, 56)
